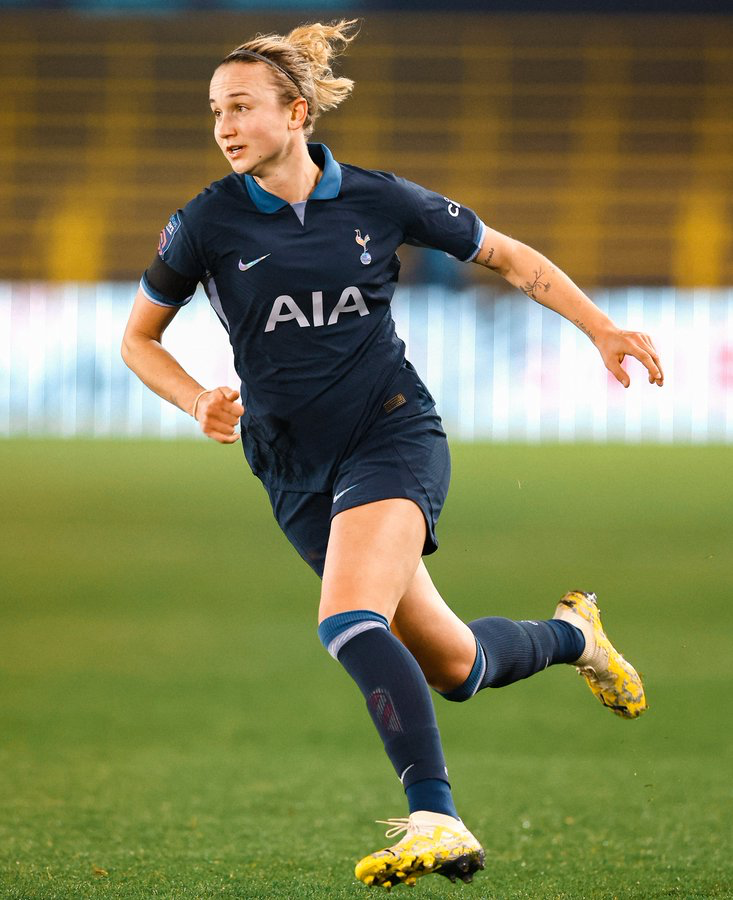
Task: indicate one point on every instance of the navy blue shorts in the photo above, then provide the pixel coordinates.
(400, 456)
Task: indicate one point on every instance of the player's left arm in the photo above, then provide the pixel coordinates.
(539, 279)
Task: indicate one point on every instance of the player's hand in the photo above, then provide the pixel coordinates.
(616, 344)
(218, 413)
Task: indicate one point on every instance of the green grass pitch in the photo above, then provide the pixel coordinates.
(171, 727)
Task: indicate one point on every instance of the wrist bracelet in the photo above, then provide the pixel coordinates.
(196, 401)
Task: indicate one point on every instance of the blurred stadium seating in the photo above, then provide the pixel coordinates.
(605, 141)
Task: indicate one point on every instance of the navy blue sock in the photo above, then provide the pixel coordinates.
(398, 700)
(433, 795)
(516, 650)
(508, 651)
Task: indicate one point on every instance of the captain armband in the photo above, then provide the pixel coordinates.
(163, 285)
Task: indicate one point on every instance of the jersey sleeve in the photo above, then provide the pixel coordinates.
(432, 220)
(172, 277)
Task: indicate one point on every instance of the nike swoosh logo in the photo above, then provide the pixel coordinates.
(345, 491)
(244, 266)
(402, 776)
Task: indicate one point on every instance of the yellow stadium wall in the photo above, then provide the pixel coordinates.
(604, 141)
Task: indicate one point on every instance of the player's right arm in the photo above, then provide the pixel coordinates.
(538, 278)
(217, 411)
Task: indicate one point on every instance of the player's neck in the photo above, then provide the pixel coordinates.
(293, 178)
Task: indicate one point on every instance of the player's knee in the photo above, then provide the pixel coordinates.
(511, 651)
(455, 691)
(449, 681)
(467, 679)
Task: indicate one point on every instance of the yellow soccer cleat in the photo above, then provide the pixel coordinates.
(612, 679)
(433, 844)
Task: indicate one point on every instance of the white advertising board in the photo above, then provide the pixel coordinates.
(500, 367)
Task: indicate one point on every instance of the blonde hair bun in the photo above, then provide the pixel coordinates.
(304, 59)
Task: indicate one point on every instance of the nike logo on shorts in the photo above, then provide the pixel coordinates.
(244, 266)
(345, 491)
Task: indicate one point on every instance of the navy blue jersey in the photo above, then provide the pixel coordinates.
(304, 291)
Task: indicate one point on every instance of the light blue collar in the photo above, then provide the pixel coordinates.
(326, 189)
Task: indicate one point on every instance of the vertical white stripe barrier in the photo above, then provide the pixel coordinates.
(548, 384)
(120, 376)
(450, 355)
(19, 348)
(36, 358)
(637, 373)
(484, 371)
(727, 367)
(6, 324)
(664, 340)
(401, 315)
(596, 381)
(419, 331)
(567, 385)
(684, 360)
(615, 393)
(434, 372)
(501, 394)
(85, 359)
(651, 422)
(701, 368)
(51, 349)
(500, 368)
(467, 373)
(534, 363)
(516, 367)
(69, 325)
(102, 364)
(721, 370)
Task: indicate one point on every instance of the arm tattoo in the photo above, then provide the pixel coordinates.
(530, 288)
(487, 262)
(583, 328)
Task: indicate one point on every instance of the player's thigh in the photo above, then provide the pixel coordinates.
(443, 644)
(372, 556)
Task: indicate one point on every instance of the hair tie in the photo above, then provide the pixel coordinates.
(196, 401)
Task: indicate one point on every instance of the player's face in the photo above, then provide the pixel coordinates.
(251, 126)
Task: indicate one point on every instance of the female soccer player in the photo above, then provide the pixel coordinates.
(297, 255)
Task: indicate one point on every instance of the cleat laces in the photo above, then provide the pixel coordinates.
(397, 826)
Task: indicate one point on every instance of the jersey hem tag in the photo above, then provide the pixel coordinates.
(397, 400)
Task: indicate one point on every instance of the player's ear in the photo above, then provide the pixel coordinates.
(298, 112)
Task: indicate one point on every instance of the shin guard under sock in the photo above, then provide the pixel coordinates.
(398, 700)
